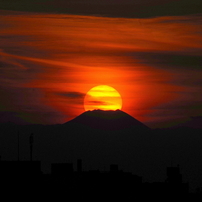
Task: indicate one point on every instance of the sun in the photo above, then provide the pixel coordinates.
(102, 97)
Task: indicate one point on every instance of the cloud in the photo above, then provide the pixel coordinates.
(26, 105)
(92, 102)
(11, 117)
(73, 95)
(179, 106)
(191, 19)
(16, 72)
(169, 60)
(185, 69)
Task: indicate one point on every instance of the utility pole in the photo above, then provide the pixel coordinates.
(18, 146)
(31, 140)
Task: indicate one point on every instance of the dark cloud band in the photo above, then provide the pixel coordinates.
(73, 95)
(112, 8)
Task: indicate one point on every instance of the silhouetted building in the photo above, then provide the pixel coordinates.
(114, 182)
(31, 141)
(20, 168)
(63, 169)
(114, 168)
(173, 175)
(79, 165)
(174, 182)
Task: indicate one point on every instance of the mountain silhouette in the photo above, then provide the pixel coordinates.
(109, 120)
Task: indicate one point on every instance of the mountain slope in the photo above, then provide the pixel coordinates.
(109, 120)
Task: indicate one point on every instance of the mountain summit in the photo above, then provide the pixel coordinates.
(109, 120)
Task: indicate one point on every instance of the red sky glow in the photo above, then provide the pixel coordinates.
(50, 61)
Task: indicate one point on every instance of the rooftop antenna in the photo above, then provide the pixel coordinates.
(31, 140)
(18, 146)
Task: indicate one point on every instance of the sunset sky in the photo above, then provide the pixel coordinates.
(53, 52)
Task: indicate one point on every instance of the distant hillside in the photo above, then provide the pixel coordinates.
(193, 122)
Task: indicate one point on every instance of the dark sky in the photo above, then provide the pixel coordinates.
(115, 8)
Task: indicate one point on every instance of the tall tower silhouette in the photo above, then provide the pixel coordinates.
(31, 141)
(18, 146)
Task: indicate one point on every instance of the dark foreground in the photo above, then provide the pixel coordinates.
(26, 180)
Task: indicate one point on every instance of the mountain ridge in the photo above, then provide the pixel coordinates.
(108, 120)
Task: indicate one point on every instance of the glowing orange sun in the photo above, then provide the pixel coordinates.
(102, 97)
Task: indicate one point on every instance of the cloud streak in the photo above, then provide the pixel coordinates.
(73, 95)
(97, 103)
